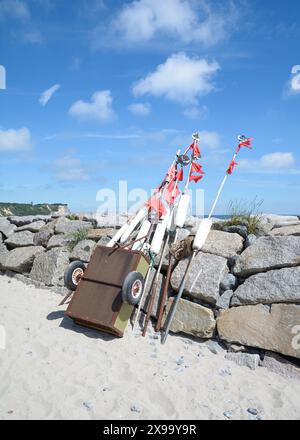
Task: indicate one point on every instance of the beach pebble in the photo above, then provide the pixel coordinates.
(135, 408)
(180, 361)
(87, 404)
(225, 372)
(227, 414)
(253, 411)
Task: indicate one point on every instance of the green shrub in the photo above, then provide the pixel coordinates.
(76, 237)
(244, 213)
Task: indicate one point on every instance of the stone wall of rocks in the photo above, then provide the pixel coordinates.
(243, 290)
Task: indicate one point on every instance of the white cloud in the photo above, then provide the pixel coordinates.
(32, 37)
(15, 9)
(69, 168)
(294, 83)
(140, 109)
(99, 108)
(200, 22)
(209, 139)
(14, 140)
(47, 94)
(196, 112)
(272, 162)
(180, 79)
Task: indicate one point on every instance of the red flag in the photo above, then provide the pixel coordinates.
(171, 173)
(171, 193)
(231, 167)
(180, 175)
(197, 168)
(246, 143)
(195, 178)
(155, 204)
(195, 148)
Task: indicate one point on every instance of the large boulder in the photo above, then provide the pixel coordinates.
(83, 251)
(274, 286)
(224, 244)
(6, 228)
(27, 219)
(268, 253)
(96, 234)
(280, 365)
(3, 248)
(238, 229)
(50, 266)
(192, 319)
(58, 241)
(281, 220)
(20, 259)
(32, 227)
(244, 359)
(66, 226)
(20, 239)
(41, 238)
(286, 230)
(204, 277)
(271, 328)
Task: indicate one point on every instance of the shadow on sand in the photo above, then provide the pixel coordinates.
(68, 324)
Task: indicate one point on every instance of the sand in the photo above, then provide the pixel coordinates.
(54, 369)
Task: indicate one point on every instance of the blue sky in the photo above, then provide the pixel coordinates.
(102, 91)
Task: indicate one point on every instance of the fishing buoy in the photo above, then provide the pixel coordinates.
(202, 233)
(159, 235)
(141, 237)
(133, 224)
(171, 223)
(118, 235)
(182, 210)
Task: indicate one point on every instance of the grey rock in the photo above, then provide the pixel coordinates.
(192, 319)
(286, 230)
(83, 251)
(50, 227)
(281, 220)
(50, 266)
(66, 226)
(244, 359)
(236, 348)
(20, 259)
(279, 365)
(97, 234)
(268, 253)
(215, 347)
(3, 248)
(58, 241)
(192, 222)
(250, 239)
(204, 277)
(229, 282)
(41, 238)
(271, 328)
(274, 286)
(20, 239)
(238, 229)
(26, 220)
(224, 300)
(264, 227)
(103, 241)
(32, 227)
(224, 244)
(6, 228)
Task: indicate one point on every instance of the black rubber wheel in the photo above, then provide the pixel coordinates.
(73, 274)
(133, 287)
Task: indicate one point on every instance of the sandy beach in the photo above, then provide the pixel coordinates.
(54, 369)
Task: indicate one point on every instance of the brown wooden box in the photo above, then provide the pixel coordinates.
(97, 301)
